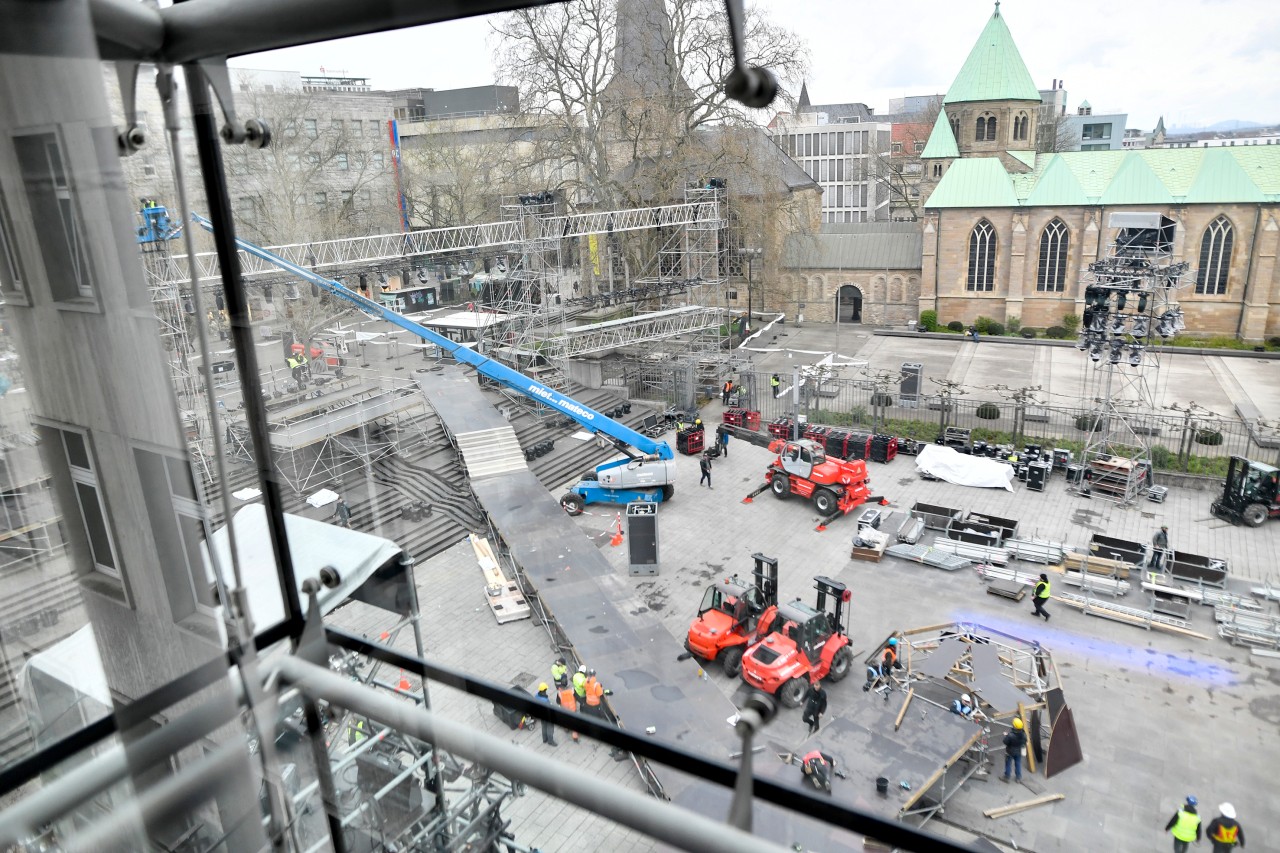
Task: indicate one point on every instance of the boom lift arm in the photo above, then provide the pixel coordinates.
(638, 447)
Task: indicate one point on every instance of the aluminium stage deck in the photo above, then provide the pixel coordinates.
(609, 627)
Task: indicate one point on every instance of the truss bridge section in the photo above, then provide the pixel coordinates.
(643, 328)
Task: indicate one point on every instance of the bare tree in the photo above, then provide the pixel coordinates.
(1053, 134)
(458, 175)
(563, 59)
(897, 172)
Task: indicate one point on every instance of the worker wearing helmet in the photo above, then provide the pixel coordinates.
(887, 663)
(1184, 826)
(1014, 743)
(595, 694)
(1224, 832)
(548, 727)
(580, 684)
(963, 706)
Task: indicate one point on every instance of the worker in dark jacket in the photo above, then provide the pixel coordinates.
(1224, 832)
(817, 767)
(1159, 548)
(815, 706)
(1014, 743)
(548, 727)
(1184, 826)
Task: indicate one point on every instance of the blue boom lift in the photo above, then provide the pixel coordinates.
(647, 472)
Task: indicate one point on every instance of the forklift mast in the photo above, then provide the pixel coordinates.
(766, 572)
(840, 596)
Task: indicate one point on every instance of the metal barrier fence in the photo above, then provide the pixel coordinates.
(1197, 442)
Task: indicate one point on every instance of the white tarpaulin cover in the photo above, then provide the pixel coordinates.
(75, 662)
(946, 463)
(313, 545)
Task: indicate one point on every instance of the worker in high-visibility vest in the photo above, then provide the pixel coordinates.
(566, 699)
(1184, 826)
(580, 684)
(595, 693)
(357, 731)
(560, 672)
(1039, 596)
(817, 767)
(1224, 832)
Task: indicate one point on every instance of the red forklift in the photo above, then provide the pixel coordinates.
(729, 613)
(835, 485)
(800, 644)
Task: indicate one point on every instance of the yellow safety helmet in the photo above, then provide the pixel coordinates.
(1017, 722)
(542, 688)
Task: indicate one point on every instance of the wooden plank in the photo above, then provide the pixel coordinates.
(504, 597)
(1031, 753)
(1132, 620)
(902, 713)
(1097, 565)
(1003, 811)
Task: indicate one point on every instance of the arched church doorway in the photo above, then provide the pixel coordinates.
(849, 304)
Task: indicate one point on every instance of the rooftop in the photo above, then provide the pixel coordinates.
(1148, 176)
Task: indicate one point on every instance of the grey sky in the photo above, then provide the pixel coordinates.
(1192, 62)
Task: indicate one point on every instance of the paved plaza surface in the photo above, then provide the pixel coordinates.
(1159, 716)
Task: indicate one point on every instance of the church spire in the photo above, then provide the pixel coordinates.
(804, 98)
(994, 70)
(644, 57)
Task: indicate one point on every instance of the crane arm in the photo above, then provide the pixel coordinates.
(622, 435)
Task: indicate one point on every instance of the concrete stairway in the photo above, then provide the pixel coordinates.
(488, 452)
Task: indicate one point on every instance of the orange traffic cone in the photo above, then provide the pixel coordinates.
(617, 537)
(403, 685)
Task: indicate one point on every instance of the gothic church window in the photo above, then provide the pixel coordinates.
(985, 129)
(1052, 273)
(982, 257)
(1215, 257)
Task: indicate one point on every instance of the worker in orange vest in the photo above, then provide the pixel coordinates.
(565, 699)
(595, 693)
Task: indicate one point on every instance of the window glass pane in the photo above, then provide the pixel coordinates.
(95, 526)
(10, 268)
(77, 452)
(192, 532)
(57, 226)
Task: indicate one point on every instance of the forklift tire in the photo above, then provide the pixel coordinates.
(780, 485)
(731, 661)
(572, 503)
(841, 663)
(1254, 515)
(825, 502)
(668, 492)
(590, 476)
(793, 692)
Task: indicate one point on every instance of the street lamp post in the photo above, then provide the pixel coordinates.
(750, 254)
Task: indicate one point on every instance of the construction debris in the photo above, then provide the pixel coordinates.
(505, 599)
(1247, 629)
(1207, 597)
(1004, 811)
(928, 556)
(1132, 615)
(983, 553)
(1097, 565)
(1036, 550)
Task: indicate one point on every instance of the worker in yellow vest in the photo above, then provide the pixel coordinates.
(1184, 826)
(1040, 596)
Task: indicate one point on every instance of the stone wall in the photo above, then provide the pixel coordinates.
(1250, 307)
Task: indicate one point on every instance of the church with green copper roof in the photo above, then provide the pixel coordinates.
(1009, 232)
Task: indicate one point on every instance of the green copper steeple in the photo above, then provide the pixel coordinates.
(994, 70)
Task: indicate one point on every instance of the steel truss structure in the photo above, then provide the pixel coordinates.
(1130, 309)
(379, 248)
(654, 326)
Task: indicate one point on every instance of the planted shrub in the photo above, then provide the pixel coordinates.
(1087, 423)
(983, 324)
(995, 329)
(1028, 333)
(1071, 322)
(988, 412)
(1056, 332)
(1014, 324)
(956, 326)
(929, 320)
(1273, 341)
(1210, 437)
(879, 399)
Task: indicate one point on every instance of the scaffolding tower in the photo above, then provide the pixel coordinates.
(1131, 309)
